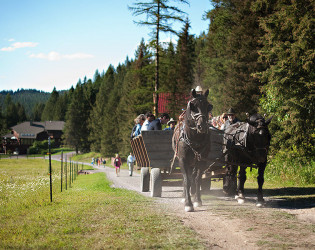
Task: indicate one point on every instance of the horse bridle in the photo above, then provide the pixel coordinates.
(195, 117)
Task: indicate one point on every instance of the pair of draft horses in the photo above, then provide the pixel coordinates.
(245, 143)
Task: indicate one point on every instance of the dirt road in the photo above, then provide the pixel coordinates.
(222, 223)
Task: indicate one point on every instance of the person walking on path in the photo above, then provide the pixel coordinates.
(130, 162)
(117, 164)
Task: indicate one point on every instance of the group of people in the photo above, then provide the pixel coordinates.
(98, 161)
(148, 122)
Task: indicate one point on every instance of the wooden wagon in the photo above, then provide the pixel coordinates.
(154, 154)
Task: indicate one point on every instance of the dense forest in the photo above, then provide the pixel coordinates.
(256, 56)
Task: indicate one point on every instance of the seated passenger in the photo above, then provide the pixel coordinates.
(157, 123)
(138, 121)
(171, 123)
(149, 118)
(223, 118)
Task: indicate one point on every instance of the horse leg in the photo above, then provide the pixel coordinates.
(193, 181)
(186, 171)
(241, 181)
(197, 196)
(260, 180)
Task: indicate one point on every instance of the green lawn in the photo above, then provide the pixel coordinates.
(90, 214)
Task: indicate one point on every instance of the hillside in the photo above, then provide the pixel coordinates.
(27, 97)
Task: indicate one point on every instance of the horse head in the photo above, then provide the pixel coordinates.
(197, 112)
(259, 136)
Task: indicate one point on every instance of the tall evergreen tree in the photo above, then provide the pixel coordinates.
(37, 112)
(96, 120)
(289, 78)
(49, 110)
(214, 59)
(21, 113)
(159, 16)
(10, 114)
(76, 127)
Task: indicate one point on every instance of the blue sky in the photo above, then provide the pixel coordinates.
(46, 44)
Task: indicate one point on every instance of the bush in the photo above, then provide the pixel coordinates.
(41, 147)
(291, 166)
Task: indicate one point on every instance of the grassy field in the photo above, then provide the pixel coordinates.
(89, 214)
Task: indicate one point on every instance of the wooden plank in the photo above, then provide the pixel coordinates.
(158, 147)
(142, 151)
(161, 156)
(160, 137)
(135, 152)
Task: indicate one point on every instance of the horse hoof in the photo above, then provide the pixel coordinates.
(197, 204)
(182, 201)
(259, 204)
(189, 209)
(240, 201)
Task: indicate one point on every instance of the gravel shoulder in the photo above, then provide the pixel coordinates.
(222, 223)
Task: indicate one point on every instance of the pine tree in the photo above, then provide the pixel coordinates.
(213, 56)
(159, 16)
(96, 120)
(289, 78)
(76, 127)
(49, 110)
(20, 113)
(10, 114)
(37, 112)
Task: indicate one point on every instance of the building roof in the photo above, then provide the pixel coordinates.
(54, 125)
(31, 129)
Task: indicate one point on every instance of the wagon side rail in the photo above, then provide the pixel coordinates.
(140, 152)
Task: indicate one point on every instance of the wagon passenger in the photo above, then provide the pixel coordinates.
(138, 121)
(157, 123)
(149, 118)
(171, 123)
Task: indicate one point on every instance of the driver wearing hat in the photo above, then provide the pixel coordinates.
(231, 118)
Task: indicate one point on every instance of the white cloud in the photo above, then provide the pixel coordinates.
(19, 45)
(11, 40)
(55, 56)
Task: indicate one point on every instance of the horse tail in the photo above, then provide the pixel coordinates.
(175, 140)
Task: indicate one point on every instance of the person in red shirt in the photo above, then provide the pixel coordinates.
(117, 164)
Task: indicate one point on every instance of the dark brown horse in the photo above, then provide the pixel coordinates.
(247, 144)
(191, 145)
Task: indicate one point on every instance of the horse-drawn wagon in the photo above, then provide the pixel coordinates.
(154, 155)
(200, 149)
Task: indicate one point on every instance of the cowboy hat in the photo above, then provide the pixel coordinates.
(230, 112)
(171, 121)
(198, 89)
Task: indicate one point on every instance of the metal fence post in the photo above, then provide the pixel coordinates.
(50, 178)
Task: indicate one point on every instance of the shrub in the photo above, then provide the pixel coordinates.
(290, 165)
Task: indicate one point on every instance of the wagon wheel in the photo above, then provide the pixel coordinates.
(145, 180)
(205, 185)
(156, 182)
